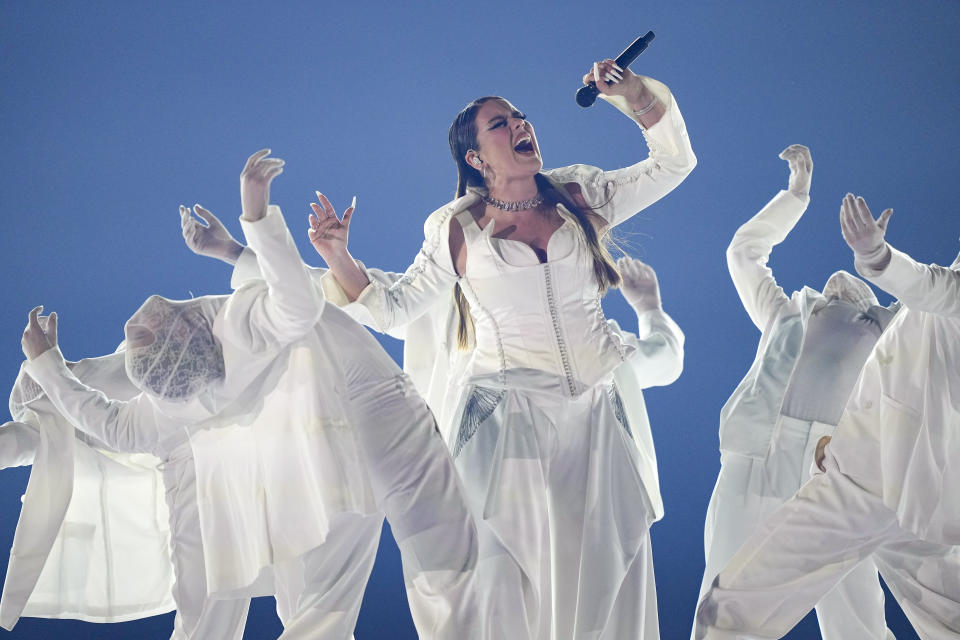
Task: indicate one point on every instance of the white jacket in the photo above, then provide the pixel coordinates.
(92, 539)
(416, 306)
(274, 458)
(900, 434)
(749, 419)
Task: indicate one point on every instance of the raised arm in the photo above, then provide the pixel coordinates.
(290, 305)
(207, 236)
(619, 194)
(389, 301)
(750, 248)
(128, 426)
(328, 234)
(658, 358)
(921, 287)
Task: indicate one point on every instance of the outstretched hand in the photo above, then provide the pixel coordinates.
(209, 237)
(639, 284)
(801, 168)
(255, 181)
(328, 233)
(40, 334)
(862, 233)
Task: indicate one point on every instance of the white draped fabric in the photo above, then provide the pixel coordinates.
(543, 440)
(92, 539)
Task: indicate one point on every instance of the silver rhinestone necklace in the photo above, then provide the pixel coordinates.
(533, 202)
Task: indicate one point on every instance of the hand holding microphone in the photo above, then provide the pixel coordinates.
(611, 71)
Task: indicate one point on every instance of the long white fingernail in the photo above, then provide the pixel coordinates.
(596, 72)
(617, 67)
(353, 203)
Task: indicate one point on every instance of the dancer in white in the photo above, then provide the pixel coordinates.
(92, 540)
(811, 351)
(204, 363)
(890, 486)
(529, 409)
(405, 464)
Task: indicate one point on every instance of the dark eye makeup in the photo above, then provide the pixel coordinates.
(501, 121)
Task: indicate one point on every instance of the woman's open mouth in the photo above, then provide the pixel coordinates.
(524, 146)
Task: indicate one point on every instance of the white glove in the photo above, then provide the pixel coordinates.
(801, 169)
(211, 239)
(255, 181)
(864, 234)
(40, 334)
(639, 285)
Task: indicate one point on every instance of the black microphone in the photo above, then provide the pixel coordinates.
(587, 94)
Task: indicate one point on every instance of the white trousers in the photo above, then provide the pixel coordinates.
(319, 595)
(555, 482)
(748, 490)
(808, 545)
(416, 486)
(198, 616)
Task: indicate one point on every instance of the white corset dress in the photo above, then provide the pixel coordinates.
(543, 446)
(537, 321)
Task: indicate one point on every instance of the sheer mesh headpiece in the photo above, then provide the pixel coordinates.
(171, 351)
(850, 288)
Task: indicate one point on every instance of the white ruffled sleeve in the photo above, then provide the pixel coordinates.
(393, 300)
(619, 194)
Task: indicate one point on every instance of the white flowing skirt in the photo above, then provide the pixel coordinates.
(555, 482)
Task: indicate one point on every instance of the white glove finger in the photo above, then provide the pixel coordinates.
(254, 158)
(848, 210)
(32, 322)
(884, 219)
(266, 165)
(205, 215)
(51, 328)
(866, 218)
(793, 162)
(273, 173)
(845, 229)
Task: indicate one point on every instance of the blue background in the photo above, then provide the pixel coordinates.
(112, 114)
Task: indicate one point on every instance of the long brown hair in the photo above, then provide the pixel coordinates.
(463, 137)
